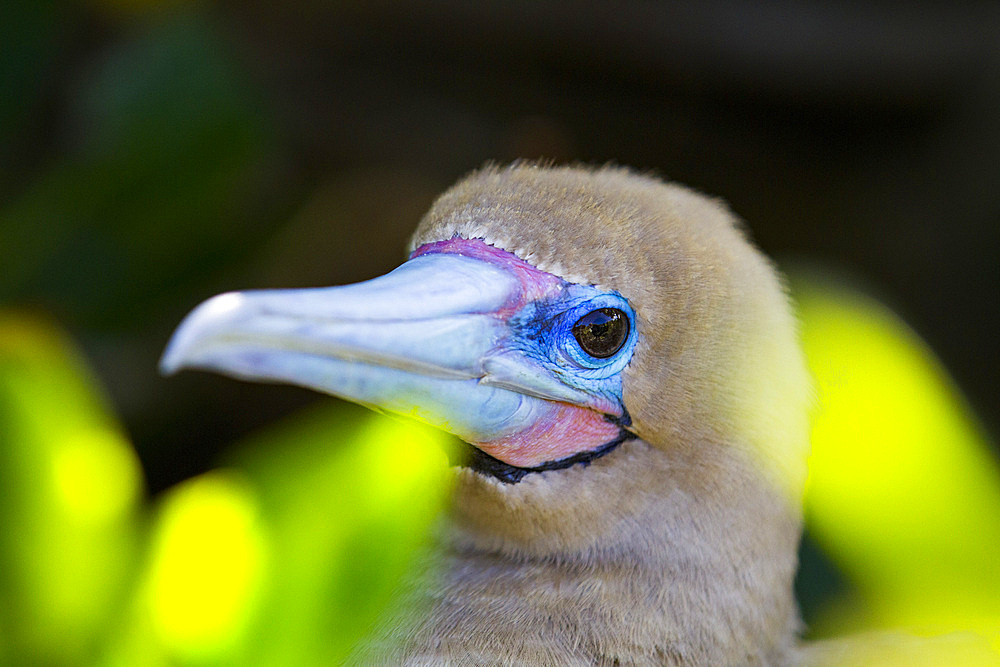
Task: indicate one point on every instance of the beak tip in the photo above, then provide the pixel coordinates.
(178, 352)
(197, 327)
(169, 363)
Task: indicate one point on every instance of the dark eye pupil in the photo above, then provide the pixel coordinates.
(602, 332)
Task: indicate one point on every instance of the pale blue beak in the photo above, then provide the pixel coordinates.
(425, 340)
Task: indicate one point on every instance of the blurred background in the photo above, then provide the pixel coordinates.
(155, 153)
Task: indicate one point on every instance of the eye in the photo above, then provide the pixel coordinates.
(602, 332)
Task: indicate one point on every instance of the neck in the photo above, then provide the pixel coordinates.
(689, 576)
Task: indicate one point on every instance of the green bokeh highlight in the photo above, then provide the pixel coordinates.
(70, 487)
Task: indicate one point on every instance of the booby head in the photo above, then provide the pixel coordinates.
(621, 358)
(522, 364)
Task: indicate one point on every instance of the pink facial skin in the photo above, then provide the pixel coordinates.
(565, 429)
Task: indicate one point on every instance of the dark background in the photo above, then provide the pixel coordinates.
(155, 153)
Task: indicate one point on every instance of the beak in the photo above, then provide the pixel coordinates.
(418, 341)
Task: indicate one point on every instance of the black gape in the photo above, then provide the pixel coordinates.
(485, 464)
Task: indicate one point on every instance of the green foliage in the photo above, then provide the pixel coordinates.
(287, 555)
(349, 497)
(70, 486)
(290, 552)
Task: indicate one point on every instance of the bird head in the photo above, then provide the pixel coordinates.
(602, 339)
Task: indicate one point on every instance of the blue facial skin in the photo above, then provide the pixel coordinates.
(543, 331)
(435, 339)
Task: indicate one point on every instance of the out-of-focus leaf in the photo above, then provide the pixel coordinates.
(903, 492)
(290, 554)
(70, 487)
(889, 649)
(202, 577)
(349, 498)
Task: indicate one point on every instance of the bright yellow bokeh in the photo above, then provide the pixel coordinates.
(207, 562)
(96, 475)
(405, 454)
(903, 491)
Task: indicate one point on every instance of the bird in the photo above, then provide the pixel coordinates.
(624, 366)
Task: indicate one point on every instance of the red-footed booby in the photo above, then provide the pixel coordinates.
(625, 365)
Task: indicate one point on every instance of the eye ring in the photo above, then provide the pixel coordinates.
(602, 332)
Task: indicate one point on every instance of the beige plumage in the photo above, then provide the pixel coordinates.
(677, 547)
(680, 548)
